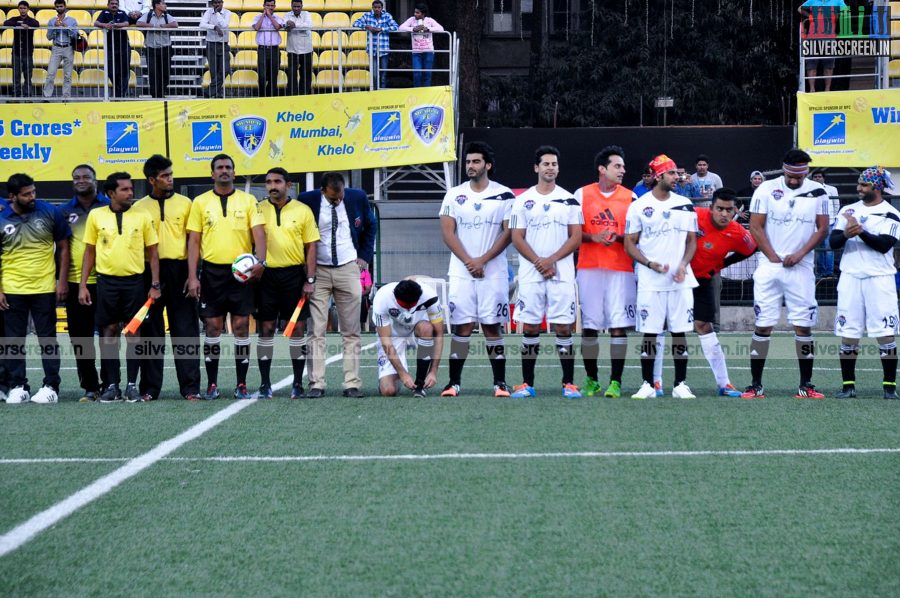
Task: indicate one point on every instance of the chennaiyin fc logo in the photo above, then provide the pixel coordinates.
(249, 133)
(427, 122)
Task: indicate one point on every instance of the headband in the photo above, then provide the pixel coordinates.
(796, 170)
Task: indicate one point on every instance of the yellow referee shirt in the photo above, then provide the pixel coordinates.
(225, 224)
(170, 216)
(120, 239)
(287, 230)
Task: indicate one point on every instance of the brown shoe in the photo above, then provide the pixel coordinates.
(353, 393)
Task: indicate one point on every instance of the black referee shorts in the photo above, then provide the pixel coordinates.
(118, 298)
(221, 293)
(705, 300)
(278, 293)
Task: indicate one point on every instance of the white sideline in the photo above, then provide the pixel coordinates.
(24, 532)
(475, 456)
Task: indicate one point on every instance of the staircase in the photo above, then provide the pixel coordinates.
(188, 51)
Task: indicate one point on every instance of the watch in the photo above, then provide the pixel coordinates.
(155, 285)
(311, 280)
(263, 263)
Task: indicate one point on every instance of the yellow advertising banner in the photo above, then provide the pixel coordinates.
(47, 140)
(850, 128)
(314, 133)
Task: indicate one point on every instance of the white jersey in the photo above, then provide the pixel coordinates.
(479, 221)
(859, 260)
(387, 312)
(664, 226)
(790, 214)
(546, 220)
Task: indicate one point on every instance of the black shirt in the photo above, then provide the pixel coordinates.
(23, 40)
(117, 39)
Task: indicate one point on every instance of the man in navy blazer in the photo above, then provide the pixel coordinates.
(346, 247)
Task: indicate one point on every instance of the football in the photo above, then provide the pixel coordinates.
(242, 265)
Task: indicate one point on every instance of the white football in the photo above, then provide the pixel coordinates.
(242, 265)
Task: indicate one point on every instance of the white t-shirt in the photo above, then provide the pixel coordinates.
(707, 184)
(664, 226)
(546, 220)
(859, 260)
(479, 221)
(387, 312)
(790, 214)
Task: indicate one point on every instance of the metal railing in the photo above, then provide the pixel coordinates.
(121, 65)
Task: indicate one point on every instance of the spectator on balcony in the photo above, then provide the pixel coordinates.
(159, 46)
(267, 26)
(378, 23)
(421, 26)
(134, 9)
(215, 22)
(62, 33)
(707, 181)
(22, 49)
(298, 24)
(118, 49)
(685, 187)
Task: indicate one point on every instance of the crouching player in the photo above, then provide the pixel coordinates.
(867, 231)
(406, 312)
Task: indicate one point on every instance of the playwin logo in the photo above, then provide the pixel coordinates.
(829, 128)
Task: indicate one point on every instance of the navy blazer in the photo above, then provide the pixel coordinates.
(360, 215)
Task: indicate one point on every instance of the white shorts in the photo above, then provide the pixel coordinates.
(401, 344)
(795, 285)
(866, 301)
(656, 308)
(554, 298)
(607, 298)
(484, 300)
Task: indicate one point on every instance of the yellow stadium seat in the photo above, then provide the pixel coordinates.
(135, 61)
(83, 17)
(357, 40)
(357, 58)
(44, 16)
(283, 60)
(355, 17)
(331, 59)
(339, 5)
(282, 79)
(3, 15)
(232, 39)
(83, 4)
(334, 40)
(6, 57)
(6, 38)
(316, 39)
(357, 79)
(40, 39)
(895, 27)
(336, 20)
(315, 18)
(94, 58)
(245, 59)
(246, 40)
(96, 39)
(283, 5)
(136, 38)
(242, 80)
(234, 5)
(328, 80)
(6, 76)
(41, 56)
(247, 19)
(283, 43)
(132, 79)
(894, 68)
(363, 5)
(314, 5)
(94, 78)
(234, 21)
(206, 80)
(39, 77)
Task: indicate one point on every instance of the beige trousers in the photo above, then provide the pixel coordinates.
(341, 282)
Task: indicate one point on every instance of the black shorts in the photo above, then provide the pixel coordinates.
(705, 300)
(221, 293)
(118, 298)
(278, 292)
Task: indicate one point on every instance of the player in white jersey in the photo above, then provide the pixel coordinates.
(475, 227)
(788, 220)
(660, 235)
(546, 229)
(867, 294)
(407, 313)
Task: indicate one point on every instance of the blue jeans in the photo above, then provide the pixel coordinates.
(422, 63)
(824, 260)
(382, 71)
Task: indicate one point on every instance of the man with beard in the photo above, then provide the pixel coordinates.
(605, 277)
(169, 212)
(660, 235)
(788, 220)
(31, 231)
(867, 296)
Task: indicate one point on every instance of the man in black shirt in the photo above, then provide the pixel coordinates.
(23, 49)
(118, 50)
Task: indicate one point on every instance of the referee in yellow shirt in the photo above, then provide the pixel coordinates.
(224, 223)
(291, 235)
(116, 239)
(169, 212)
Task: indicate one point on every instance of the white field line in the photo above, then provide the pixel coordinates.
(486, 456)
(24, 532)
